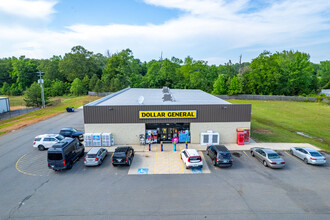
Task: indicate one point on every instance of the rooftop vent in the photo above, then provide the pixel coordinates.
(167, 95)
(166, 90)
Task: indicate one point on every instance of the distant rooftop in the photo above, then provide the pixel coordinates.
(132, 96)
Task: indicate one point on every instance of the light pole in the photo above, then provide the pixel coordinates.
(41, 82)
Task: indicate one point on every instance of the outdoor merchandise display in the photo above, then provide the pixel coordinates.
(151, 136)
(184, 136)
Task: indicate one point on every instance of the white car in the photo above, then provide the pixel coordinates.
(46, 141)
(191, 158)
(308, 155)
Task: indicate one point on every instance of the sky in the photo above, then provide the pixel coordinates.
(212, 30)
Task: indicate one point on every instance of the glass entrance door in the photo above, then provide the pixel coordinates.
(167, 131)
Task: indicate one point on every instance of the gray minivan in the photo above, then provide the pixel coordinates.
(63, 154)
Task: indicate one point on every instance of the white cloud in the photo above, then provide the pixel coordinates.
(206, 28)
(40, 9)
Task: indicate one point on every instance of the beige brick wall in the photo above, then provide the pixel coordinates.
(129, 133)
(122, 133)
(227, 130)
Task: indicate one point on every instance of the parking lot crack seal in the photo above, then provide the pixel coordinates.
(15, 209)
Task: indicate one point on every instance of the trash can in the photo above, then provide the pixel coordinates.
(70, 109)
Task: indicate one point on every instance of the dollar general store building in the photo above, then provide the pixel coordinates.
(166, 115)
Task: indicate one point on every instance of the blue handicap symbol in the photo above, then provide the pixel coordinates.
(196, 170)
(143, 171)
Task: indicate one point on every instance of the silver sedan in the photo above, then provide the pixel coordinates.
(308, 155)
(95, 156)
(268, 157)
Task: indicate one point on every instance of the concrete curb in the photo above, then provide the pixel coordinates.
(231, 147)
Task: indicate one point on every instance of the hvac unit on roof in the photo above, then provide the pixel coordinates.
(165, 90)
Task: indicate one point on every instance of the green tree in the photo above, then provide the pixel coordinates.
(15, 90)
(51, 68)
(295, 73)
(6, 69)
(220, 87)
(58, 88)
(33, 96)
(228, 70)
(77, 87)
(235, 86)
(25, 71)
(5, 90)
(98, 86)
(85, 83)
(92, 82)
(120, 68)
(324, 73)
(77, 64)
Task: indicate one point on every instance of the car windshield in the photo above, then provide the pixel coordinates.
(59, 137)
(90, 155)
(273, 156)
(74, 130)
(55, 156)
(225, 155)
(315, 154)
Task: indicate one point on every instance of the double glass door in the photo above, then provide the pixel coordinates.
(165, 132)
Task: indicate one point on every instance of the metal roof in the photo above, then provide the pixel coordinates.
(135, 96)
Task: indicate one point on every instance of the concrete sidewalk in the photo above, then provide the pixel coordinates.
(231, 147)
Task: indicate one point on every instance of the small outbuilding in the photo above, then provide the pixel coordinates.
(4, 104)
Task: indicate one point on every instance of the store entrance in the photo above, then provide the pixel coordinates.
(167, 132)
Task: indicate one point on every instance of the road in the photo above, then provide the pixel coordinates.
(247, 190)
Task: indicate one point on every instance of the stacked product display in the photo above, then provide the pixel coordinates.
(98, 139)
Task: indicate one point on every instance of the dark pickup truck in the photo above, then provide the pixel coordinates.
(72, 133)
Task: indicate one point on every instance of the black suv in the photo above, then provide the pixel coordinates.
(72, 133)
(123, 156)
(220, 155)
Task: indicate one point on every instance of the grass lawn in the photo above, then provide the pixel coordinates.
(278, 121)
(42, 114)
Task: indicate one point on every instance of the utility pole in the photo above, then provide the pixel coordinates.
(161, 59)
(41, 82)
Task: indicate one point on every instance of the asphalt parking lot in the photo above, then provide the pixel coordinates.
(247, 190)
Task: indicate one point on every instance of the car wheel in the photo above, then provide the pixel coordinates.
(129, 163)
(265, 163)
(306, 161)
(70, 166)
(291, 152)
(214, 162)
(41, 147)
(252, 154)
(114, 165)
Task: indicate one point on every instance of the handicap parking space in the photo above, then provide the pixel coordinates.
(166, 162)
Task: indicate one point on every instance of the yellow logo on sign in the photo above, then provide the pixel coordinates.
(168, 114)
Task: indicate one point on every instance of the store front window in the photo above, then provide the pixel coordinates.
(167, 132)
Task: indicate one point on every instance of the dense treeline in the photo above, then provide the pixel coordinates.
(281, 73)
